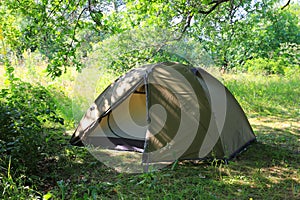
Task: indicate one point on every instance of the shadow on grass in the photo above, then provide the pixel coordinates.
(264, 171)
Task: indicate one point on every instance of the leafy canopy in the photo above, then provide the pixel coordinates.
(65, 31)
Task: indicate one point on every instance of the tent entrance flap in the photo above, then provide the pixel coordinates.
(125, 126)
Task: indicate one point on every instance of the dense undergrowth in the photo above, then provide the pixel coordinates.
(37, 161)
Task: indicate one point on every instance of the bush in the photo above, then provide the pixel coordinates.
(290, 53)
(24, 110)
(284, 61)
(265, 66)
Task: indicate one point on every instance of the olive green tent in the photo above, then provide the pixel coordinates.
(166, 112)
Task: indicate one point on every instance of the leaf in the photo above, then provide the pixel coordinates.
(47, 196)
(206, 2)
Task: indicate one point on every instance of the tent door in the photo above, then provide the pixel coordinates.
(124, 128)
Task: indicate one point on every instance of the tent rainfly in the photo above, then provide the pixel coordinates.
(166, 112)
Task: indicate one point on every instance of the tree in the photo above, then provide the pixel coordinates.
(52, 26)
(47, 26)
(59, 28)
(246, 31)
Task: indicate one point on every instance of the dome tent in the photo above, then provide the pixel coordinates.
(166, 112)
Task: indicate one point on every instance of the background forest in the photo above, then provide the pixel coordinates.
(56, 56)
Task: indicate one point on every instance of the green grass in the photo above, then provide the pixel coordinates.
(269, 169)
(276, 96)
(272, 104)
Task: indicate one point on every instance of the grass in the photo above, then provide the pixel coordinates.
(269, 169)
(266, 96)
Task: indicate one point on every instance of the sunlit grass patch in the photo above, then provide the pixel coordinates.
(278, 131)
(266, 95)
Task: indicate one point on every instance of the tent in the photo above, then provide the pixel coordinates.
(166, 112)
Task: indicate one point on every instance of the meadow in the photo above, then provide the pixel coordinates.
(268, 169)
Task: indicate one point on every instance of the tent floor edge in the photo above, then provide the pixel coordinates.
(241, 149)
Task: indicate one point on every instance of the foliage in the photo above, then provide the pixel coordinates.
(58, 29)
(238, 32)
(291, 52)
(285, 61)
(9, 32)
(281, 26)
(46, 26)
(264, 66)
(146, 45)
(24, 111)
(247, 32)
(64, 32)
(16, 188)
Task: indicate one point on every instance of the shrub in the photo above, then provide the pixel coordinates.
(24, 110)
(285, 61)
(290, 53)
(265, 66)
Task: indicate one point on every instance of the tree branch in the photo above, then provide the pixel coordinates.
(287, 3)
(91, 10)
(188, 22)
(53, 10)
(215, 5)
(76, 25)
(190, 15)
